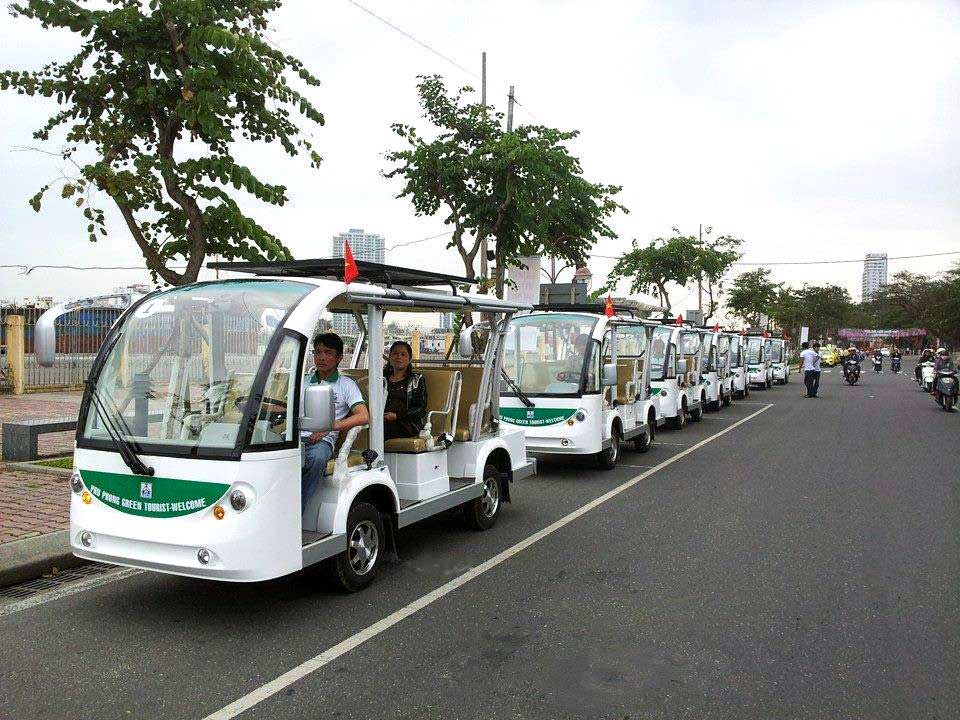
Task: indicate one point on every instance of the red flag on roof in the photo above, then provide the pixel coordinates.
(766, 334)
(608, 307)
(716, 328)
(350, 271)
(679, 321)
(743, 332)
(786, 337)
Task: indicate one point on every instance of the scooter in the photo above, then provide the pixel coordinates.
(851, 372)
(878, 364)
(947, 388)
(927, 375)
(895, 364)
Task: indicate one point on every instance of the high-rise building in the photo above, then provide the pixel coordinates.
(874, 275)
(364, 246)
(446, 321)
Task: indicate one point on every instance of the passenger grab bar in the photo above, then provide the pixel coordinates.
(341, 465)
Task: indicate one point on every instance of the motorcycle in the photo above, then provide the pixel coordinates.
(947, 388)
(927, 375)
(851, 372)
(895, 364)
(878, 364)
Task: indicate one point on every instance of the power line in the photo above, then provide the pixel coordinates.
(427, 47)
(813, 262)
(411, 37)
(414, 242)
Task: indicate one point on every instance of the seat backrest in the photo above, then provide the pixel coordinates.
(439, 382)
(238, 385)
(361, 377)
(624, 376)
(468, 397)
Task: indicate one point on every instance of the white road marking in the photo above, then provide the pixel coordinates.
(327, 656)
(67, 590)
(658, 442)
(634, 466)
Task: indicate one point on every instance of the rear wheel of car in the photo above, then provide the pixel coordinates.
(482, 512)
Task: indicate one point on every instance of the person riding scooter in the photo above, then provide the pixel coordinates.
(925, 356)
(896, 360)
(877, 360)
(850, 357)
(942, 361)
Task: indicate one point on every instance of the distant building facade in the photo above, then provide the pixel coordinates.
(364, 246)
(874, 275)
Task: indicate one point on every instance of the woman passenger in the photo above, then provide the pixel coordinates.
(405, 412)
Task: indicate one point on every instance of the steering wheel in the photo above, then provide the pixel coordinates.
(568, 376)
(274, 413)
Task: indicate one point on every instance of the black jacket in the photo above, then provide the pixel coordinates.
(414, 417)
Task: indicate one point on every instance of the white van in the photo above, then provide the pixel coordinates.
(759, 371)
(675, 373)
(778, 355)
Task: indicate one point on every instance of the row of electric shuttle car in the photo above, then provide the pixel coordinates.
(188, 449)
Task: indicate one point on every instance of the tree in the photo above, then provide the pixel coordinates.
(911, 300)
(825, 308)
(521, 189)
(148, 77)
(752, 295)
(652, 267)
(712, 262)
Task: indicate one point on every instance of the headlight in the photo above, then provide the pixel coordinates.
(203, 556)
(86, 538)
(238, 501)
(580, 416)
(76, 482)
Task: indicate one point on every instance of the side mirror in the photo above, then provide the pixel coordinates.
(319, 408)
(465, 344)
(609, 376)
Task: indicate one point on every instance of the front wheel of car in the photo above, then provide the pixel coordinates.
(607, 459)
(642, 442)
(356, 567)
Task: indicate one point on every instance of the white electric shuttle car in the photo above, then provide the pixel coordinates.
(188, 450)
(713, 370)
(778, 355)
(759, 371)
(739, 381)
(577, 382)
(675, 373)
(725, 367)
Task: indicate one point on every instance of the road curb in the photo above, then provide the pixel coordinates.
(36, 556)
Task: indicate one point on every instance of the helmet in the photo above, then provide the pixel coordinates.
(941, 351)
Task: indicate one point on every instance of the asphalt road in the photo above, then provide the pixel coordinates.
(803, 564)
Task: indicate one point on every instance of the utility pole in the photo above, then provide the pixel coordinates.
(700, 281)
(510, 110)
(484, 267)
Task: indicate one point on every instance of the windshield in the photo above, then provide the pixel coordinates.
(659, 347)
(184, 363)
(706, 359)
(775, 351)
(736, 351)
(544, 354)
(754, 345)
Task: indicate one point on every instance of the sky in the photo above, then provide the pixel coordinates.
(813, 130)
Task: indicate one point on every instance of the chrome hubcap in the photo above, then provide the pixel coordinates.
(490, 500)
(364, 547)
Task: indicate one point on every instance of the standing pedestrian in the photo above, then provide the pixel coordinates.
(810, 365)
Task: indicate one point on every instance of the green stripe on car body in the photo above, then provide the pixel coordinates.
(152, 496)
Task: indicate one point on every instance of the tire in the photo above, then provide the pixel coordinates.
(715, 405)
(607, 459)
(357, 566)
(642, 442)
(948, 403)
(482, 512)
(697, 415)
(746, 390)
(678, 422)
(727, 400)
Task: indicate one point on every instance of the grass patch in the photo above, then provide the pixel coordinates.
(65, 462)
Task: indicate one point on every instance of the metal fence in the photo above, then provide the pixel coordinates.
(79, 335)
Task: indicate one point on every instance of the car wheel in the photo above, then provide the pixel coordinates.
(357, 566)
(482, 512)
(642, 442)
(607, 459)
(696, 415)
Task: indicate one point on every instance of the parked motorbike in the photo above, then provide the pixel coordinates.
(927, 375)
(851, 372)
(947, 388)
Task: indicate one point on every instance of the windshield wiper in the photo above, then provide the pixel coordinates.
(516, 388)
(123, 446)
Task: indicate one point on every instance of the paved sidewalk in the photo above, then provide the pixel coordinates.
(32, 504)
(40, 406)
